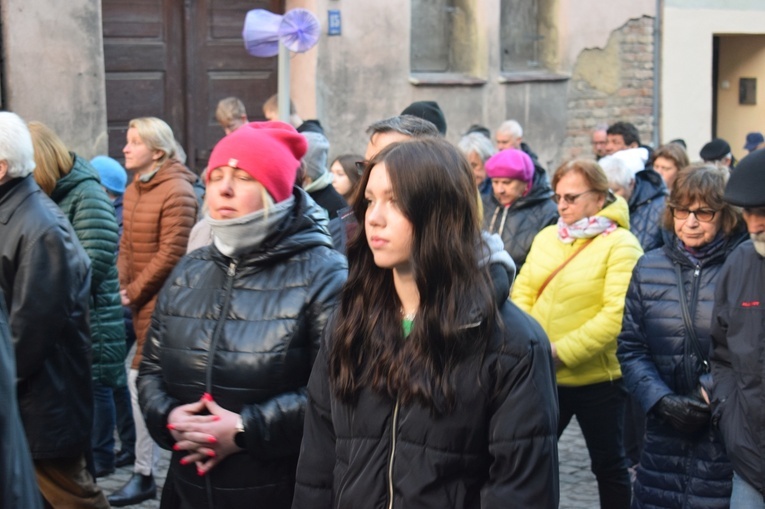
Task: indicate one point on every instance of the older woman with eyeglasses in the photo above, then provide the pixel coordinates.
(664, 345)
(573, 283)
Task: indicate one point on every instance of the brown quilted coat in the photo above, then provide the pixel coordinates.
(158, 217)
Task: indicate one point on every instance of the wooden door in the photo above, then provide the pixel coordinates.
(175, 60)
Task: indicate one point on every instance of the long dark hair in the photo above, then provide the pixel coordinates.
(435, 189)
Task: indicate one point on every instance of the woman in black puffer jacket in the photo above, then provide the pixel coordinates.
(427, 392)
(236, 329)
(664, 345)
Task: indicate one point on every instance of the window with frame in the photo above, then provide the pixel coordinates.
(528, 40)
(443, 41)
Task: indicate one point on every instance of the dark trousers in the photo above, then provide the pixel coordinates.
(102, 439)
(599, 409)
(634, 430)
(125, 424)
(111, 406)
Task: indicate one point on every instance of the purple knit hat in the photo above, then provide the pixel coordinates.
(510, 164)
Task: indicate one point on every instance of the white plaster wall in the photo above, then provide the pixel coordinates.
(588, 24)
(54, 68)
(686, 87)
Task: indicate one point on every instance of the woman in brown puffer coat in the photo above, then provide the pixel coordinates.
(160, 209)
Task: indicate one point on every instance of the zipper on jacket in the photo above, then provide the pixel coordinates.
(694, 297)
(392, 453)
(221, 320)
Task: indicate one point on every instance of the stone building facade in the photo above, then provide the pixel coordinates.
(612, 83)
(672, 67)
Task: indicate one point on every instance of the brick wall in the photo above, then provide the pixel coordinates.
(628, 98)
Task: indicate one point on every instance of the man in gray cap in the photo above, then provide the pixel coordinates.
(738, 339)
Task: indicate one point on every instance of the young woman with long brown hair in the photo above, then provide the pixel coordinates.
(428, 391)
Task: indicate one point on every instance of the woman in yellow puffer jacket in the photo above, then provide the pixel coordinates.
(574, 284)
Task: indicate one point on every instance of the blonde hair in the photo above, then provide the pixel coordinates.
(229, 109)
(157, 135)
(52, 159)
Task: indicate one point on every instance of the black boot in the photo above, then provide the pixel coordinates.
(136, 490)
(123, 458)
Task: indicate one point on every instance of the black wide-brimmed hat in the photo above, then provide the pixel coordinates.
(746, 186)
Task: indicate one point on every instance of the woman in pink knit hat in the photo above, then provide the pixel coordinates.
(520, 204)
(237, 326)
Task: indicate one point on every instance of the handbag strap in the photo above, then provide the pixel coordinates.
(562, 265)
(686, 312)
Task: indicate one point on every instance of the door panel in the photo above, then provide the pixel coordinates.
(224, 68)
(175, 60)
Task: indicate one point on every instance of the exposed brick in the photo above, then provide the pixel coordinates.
(631, 102)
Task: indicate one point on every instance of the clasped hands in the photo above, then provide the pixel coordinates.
(204, 429)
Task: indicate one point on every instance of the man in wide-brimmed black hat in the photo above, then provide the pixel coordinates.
(718, 151)
(738, 338)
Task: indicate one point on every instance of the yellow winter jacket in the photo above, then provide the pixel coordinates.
(581, 308)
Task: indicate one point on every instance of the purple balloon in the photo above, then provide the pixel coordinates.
(298, 29)
(261, 33)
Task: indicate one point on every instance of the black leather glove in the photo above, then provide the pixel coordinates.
(684, 413)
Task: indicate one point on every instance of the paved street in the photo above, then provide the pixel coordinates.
(577, 484)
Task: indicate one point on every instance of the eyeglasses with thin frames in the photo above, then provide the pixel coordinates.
(570, 198)
(703, 215)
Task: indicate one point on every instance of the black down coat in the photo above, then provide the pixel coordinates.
(519, 223)
(676, 470)
(497, 448)
(246, 331)
(646, 208)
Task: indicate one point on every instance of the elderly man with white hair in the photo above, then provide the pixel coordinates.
(644, 191)
(46, 284)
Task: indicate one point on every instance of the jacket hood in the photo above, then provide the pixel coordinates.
(617, 212)
(501, 265)
(648, 186)
(80, 172)
(171, 169)
(533, 155)
(634, 158)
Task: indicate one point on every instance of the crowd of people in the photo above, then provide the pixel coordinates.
(411, 327)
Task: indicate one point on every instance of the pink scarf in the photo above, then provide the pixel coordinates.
(585, 228)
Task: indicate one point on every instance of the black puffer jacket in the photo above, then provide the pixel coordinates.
(246, 331)
(45, 276)
(646, 207)
(658, 358)
(738, 362)
(498, 448)
(519, 223)
(17, 476)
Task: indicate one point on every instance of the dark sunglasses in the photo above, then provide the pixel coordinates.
(570, 198)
